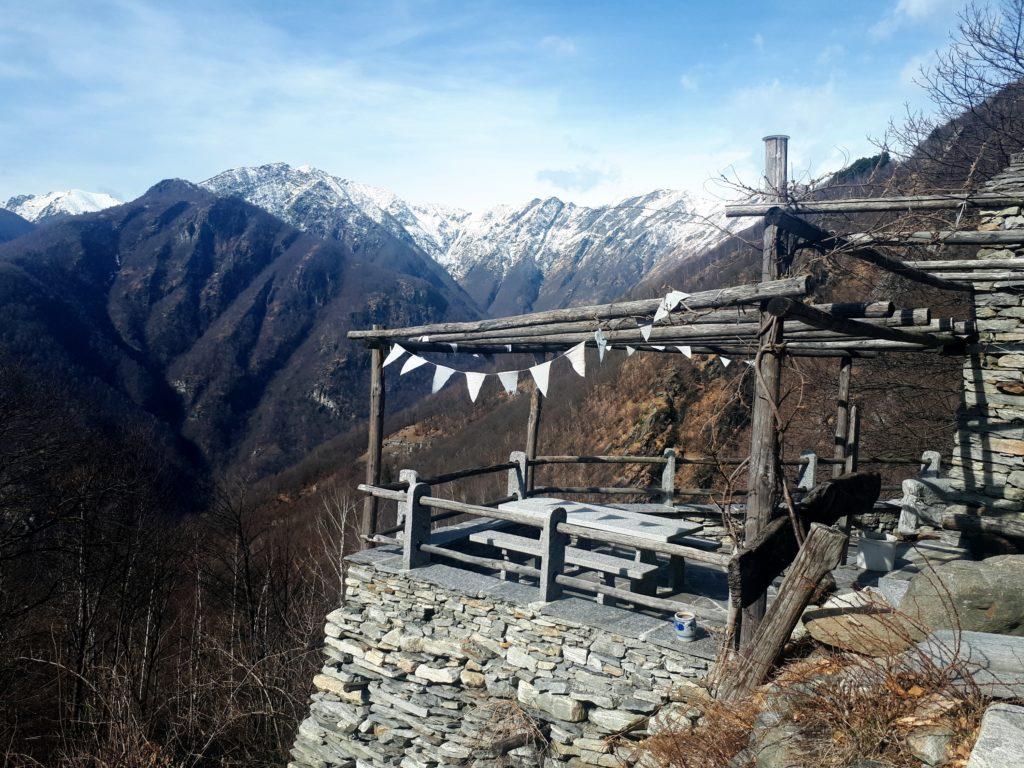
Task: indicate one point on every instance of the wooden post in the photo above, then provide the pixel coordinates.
(853, 441)
(375, 442)
(668, 477)
(842, 414)
(552, 560)
(817, 557)
(517, 475)
(417, 527)
(410, 477)
(533, 432)
(762, 482)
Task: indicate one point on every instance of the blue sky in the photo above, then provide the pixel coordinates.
(468, 104)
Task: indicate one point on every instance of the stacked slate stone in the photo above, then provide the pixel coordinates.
(988, 460)
(431, 667)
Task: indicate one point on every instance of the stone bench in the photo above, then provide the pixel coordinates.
(642, 576)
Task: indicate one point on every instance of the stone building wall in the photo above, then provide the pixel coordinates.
(987, 470)
(439, 666)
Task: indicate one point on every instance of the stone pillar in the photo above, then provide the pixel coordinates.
(987, 472)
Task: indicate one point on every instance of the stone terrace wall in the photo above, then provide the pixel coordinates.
(438, 666)
(988, 458)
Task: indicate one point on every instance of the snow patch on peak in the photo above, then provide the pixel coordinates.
(68, 202)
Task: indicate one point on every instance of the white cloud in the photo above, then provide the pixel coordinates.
(582, 178)
(831, 53)
(908, 12)
(558, 46)
(688, 83)
(758, 41)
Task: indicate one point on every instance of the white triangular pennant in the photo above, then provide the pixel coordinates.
(660, 313)
(424, 338)
(414, 362)
(509, 380)
(655, 346)
(602, 344)
(685, 350)
(508, 347)
(725, 361)
(474, 381)
(441, 375)
(645, 331)
(749, 362)
(540, 375)
(578, 357)
(396, 352)
(630, 350)
(454, 346)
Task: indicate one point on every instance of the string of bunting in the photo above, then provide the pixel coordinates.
(541, 372)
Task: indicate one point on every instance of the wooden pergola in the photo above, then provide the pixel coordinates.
(762, 322)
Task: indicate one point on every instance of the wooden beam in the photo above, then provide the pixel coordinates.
(717, 298)
(787, 308)
(966, 265)
(842, 414)
(818, 556)
(950, 237)
(881, 204)
(762, 484)
(375, 440)
(533, 433)
(827, 241)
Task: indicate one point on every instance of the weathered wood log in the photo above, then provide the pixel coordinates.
(717, 298)
(375, 440)
(842, 415)
(966, 265)
(827, 241)
(817, 557)
(951, 237)
(788, 308)
(754, 566)
(762, 480)
(880, 204)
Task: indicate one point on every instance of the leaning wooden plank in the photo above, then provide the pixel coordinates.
(756, 565)
(962, 265)
(800, 285)
(880, 204)
(826, 240)
(818, 556)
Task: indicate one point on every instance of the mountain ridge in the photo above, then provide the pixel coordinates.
(59, 204)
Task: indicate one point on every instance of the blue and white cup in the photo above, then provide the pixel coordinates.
(685, 624)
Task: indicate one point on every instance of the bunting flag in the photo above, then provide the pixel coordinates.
(749, 362)
(441, 375)
(578, 357)
(602, 344)
(414, 362)
(396, 352)
(540, 375)
(474, 380)
(509, 380)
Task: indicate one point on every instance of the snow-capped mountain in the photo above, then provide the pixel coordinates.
(68, 202)
(547, 253)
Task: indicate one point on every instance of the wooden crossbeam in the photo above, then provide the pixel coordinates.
(787, 308)
(882, 204)
(820, 238)
(952, 237)
(719, 297)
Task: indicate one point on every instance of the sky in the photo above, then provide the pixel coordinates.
(463, 103)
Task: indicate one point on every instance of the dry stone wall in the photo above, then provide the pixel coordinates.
(439, 666)
(988, 458)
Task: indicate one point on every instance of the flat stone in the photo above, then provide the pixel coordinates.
(615, 720)
(558, 706)
(860, 623)
(444, 675)
(1000, 742)
(517, 657)
(472, 679)
(930, 745)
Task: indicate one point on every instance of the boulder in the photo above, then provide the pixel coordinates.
(1000, 743)
(982, 596)
(858, 621)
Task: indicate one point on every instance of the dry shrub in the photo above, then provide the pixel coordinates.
(510, 726)
(714, 741)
